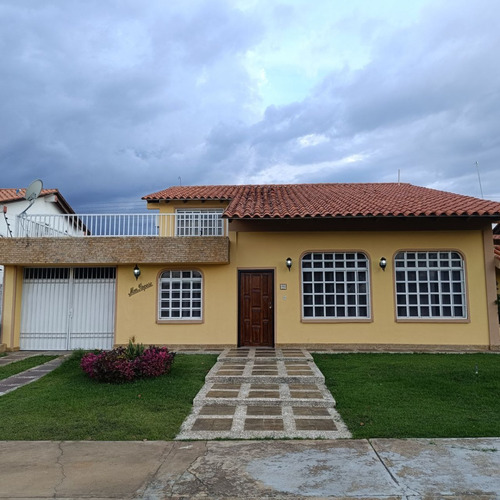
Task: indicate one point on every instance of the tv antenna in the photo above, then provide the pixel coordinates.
(32, 193)
(479, 179)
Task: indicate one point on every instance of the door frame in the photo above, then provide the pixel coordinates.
(271, 272)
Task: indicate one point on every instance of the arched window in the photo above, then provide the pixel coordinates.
(180, 295)
(335, 285)
(430, 285)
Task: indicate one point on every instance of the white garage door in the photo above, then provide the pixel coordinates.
(66, 309)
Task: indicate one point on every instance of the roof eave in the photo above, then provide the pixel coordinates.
(492, 218)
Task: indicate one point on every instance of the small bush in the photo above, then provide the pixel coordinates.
(117, 366)
(134, 350)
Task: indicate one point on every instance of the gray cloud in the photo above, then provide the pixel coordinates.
(110, 100)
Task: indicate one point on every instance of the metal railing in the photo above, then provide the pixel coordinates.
(104, 225)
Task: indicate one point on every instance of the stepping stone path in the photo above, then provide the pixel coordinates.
(253, 393)
(32, 374)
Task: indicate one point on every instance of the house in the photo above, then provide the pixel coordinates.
(13, 203)
(384, 266)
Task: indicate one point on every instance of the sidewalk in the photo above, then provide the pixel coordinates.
(284, 469)
(256, 393)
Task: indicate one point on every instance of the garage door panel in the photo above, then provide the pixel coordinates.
(93, 308)
(66, 308)
(90, 341)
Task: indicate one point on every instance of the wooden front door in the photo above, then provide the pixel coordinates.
(256, 308)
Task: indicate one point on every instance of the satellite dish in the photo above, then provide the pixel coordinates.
(33, 190)
(32, 193)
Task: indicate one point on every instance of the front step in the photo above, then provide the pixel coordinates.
(256, 371)
(264, 353)
(271, 394)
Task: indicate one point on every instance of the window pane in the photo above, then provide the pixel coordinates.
(326, 287)
(186, 295)
(439, 281)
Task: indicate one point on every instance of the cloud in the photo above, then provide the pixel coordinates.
(426, 104)
(110, 100)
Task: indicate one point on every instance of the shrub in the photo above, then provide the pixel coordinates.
(117, 366)
(134, 350)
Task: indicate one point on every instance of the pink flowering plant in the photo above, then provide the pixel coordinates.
(124, 364)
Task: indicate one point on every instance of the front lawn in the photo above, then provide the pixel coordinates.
(415, 395)
(67, 405)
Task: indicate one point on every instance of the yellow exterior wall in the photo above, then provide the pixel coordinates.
(11, 311)
(136, 314)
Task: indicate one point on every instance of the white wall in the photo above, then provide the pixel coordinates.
(43, 205)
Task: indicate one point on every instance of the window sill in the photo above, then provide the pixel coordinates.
(337, 320)
(432, 320)
(179, 321)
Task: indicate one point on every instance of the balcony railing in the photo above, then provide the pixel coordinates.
(105, 225)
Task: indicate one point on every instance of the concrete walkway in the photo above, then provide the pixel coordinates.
(286, 469)
(253, 393)
(31, 375)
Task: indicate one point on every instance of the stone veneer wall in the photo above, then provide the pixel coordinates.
(114, 250)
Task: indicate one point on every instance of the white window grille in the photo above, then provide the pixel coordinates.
(201, 222)
(430, 285)
(180, 295)
(335, 285)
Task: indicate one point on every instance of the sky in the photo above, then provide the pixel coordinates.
(110, 100)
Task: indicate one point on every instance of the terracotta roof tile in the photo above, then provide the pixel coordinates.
(14, 194)
(8, 195)
(333, 200)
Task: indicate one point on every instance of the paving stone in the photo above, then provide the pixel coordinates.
(310, 411)
(264, 424)
(222, 394)
(263, 410)
(217, 410)
(315, 424)
(264, 394)
(213, 424)
(227, 386)
(264, 387)
(306, 395)
(303, 387)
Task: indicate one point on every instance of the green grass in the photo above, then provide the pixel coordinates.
(415, 395)
(22, 365)
(67, 405)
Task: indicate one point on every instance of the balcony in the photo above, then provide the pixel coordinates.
(194, 237)
(186, 223)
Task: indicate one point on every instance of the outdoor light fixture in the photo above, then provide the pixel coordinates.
(289, 263)
(137, 272)
(383, 263)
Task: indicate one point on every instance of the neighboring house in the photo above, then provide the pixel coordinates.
(13, 203)
(345, 266)
(496, 243)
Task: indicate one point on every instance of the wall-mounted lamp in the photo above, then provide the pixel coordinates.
(137, 272)
(289, 263)
(383, 263)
